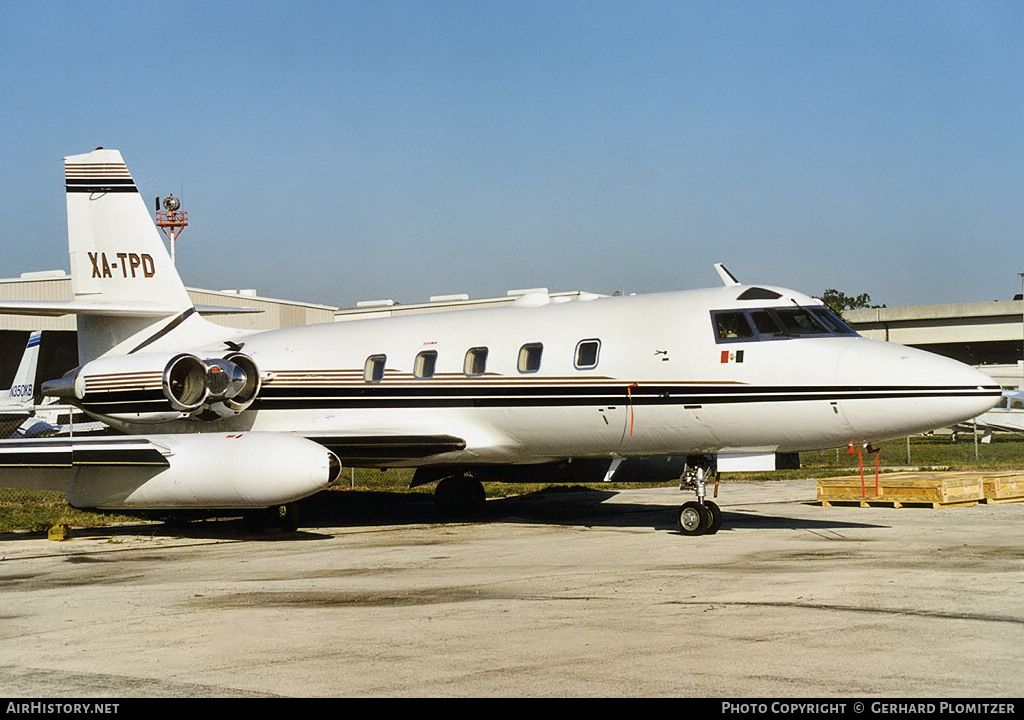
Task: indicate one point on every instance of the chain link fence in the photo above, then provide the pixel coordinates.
(41, 422)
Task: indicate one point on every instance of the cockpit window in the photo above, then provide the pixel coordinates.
(798, 321)
(832, 321)
(776, 324)
(766, 324)
(732, 326)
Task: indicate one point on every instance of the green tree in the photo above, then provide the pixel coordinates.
(839, 301)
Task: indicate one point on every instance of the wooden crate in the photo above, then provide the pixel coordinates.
(935, 489)
(1003, 487)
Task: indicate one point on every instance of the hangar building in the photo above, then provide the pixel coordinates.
(58, 351)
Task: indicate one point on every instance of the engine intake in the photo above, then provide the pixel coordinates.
(245, 392)
(185, 384)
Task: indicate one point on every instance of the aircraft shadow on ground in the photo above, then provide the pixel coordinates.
(569, 507)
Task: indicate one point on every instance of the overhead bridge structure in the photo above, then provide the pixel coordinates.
(988, 335)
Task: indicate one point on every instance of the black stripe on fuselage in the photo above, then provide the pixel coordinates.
(376, 396)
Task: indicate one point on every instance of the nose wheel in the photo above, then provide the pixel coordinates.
(700, 516)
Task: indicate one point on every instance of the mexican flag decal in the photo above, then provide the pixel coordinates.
(732, 357)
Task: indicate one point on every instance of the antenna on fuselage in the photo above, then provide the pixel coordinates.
(727, 277)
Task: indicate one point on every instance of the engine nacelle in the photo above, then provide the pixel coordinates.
(155, 388)
(184, 383)
(239, 377)
(210, 471)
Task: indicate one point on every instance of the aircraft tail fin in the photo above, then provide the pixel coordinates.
(22, 390)
(127, 293)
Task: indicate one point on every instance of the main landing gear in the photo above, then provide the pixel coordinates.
(699, 517)
(459, 496)
(284, 518)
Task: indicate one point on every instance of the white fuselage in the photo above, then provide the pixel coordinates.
(655, 380)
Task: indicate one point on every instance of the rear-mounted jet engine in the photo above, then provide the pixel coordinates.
(155, 388)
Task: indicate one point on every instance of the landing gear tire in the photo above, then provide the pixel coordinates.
(287, 517)
(176, 522)
(694, 518)
(699, 519)
(459, 496)
(279, 517)
(716, 518)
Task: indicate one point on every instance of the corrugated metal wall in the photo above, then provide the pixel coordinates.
(58, 352)
(274, 313)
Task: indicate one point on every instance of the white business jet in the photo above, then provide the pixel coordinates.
(597, 388)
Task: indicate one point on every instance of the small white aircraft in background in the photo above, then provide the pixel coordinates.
(46, 419)
(19, 397)
(18, 403)
(596, 388)
(1007, 416)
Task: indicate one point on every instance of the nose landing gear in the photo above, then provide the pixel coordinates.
(699, 517)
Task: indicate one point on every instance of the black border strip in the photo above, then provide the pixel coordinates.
(166, 329)
(435, 397)
(95, 185)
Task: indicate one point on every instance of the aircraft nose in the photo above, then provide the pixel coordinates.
(896, 390)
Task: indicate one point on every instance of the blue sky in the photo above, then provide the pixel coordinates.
(339, 151)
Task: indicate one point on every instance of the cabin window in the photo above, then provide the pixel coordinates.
(732, 325)
(586, 354)
(426, 361)
(373, 371)
(476, 361)
(529, 357)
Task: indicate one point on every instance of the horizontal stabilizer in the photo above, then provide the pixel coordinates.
(46, 308)
(225, 310)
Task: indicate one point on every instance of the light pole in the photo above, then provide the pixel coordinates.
(171, 220)
(1021, 276)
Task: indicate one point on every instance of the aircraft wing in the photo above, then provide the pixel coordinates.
(372, 450)
(71, 452)
(171, 472)
(1010, 424)
(68, 452)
